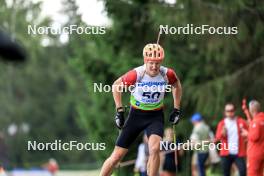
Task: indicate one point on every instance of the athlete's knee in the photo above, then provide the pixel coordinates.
(154, 149)
(115, 158)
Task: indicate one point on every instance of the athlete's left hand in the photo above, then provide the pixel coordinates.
(175, 116)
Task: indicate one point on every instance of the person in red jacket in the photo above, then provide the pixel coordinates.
(231, 132)
(52, 166)
(255, 152)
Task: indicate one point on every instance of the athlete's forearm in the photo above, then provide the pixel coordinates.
(117, 92)
(177, 93)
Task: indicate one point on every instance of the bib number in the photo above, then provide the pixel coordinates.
(151, 95)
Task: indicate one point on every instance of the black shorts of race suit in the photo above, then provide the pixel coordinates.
(152, 122)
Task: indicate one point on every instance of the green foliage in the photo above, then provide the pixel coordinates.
(43, 92)
(214, 69)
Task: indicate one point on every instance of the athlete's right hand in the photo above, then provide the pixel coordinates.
(119, 118)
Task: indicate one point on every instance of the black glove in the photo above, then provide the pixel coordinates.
(175, 116)
(119, 117)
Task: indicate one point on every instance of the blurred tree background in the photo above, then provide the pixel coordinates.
(53, 91)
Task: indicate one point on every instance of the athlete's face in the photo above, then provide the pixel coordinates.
(153, 68)
(230, 110)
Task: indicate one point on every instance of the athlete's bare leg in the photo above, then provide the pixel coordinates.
(154, 155)
(112, 161)
(166, 173)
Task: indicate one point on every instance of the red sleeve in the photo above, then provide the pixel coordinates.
(245, 124)
(242, 126)
(129, 78)
(171, 76)
(254, 131)
(218, 135)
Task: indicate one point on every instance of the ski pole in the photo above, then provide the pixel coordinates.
(175, 153)
(158, 36)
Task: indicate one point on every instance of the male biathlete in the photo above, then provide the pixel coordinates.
(146, 111)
